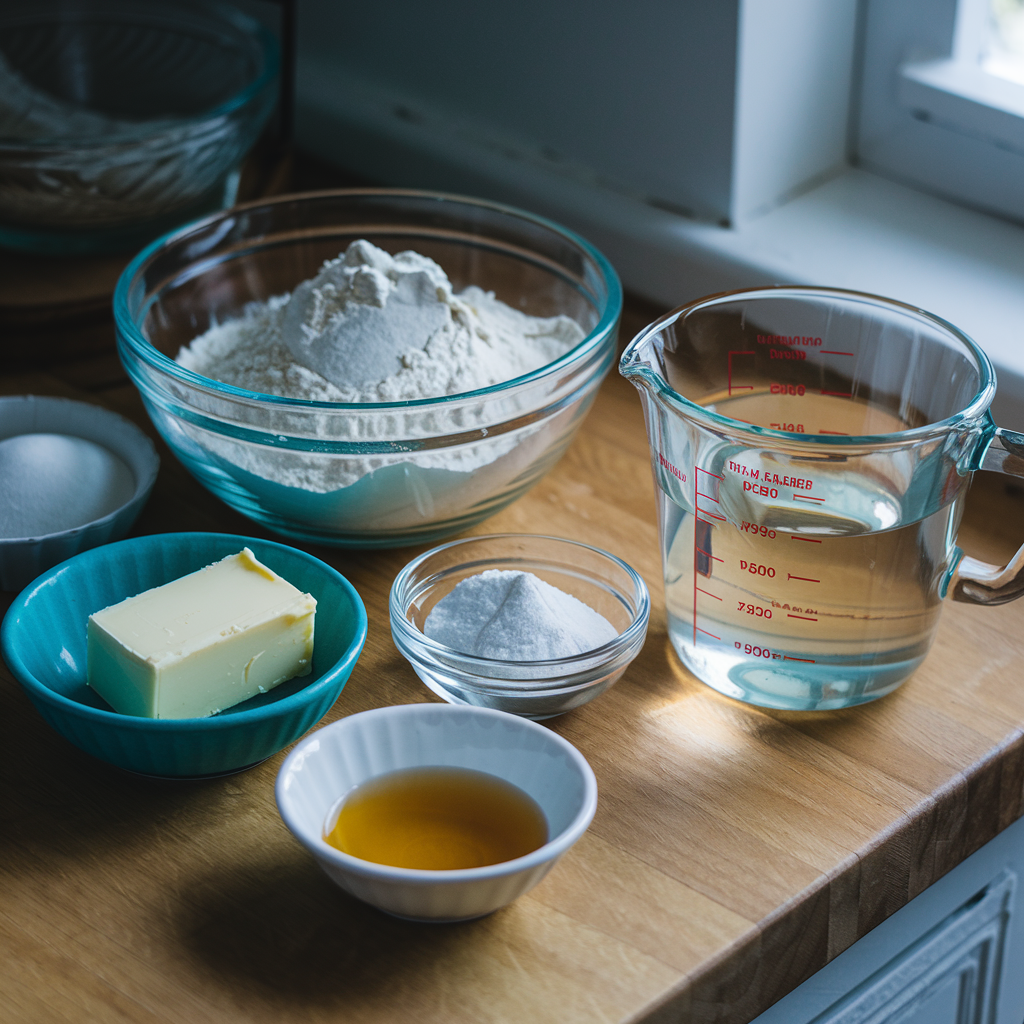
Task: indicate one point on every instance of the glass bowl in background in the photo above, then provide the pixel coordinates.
(532, 689)
(120, 119)
(364, 475)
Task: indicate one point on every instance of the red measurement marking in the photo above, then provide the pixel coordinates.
(738, 387)
(706, 633)
(708, 592)
(807, 617)
(697, 469)
(838, 394)
(838, 433)
(806, 497)
(806, 579)
(701, 494)
(831, 352)
(708, 553)
(786, 657)
(698, 518)
(809, 540)
(704, 512)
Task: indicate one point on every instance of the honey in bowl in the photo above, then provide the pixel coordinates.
(438, 819)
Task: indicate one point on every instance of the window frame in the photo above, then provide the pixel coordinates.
(929, 114)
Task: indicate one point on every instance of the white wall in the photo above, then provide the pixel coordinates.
(717, 111)
(795, 75)
(639, 96)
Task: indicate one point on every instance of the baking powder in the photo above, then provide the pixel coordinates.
(515, 616)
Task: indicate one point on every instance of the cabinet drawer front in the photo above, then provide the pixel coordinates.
(950, 975)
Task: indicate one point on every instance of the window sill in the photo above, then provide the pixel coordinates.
(966, 99)
(857, 231)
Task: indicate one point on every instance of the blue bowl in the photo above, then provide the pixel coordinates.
(43, 640)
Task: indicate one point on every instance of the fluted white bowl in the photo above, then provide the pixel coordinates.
(330, 762)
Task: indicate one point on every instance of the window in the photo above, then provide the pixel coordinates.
(942, 98)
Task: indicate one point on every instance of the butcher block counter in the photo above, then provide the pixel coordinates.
(735, 851)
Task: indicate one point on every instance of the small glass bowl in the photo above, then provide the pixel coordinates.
(532, 689)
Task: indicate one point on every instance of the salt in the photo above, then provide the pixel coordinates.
(515, 616)
(54, 482)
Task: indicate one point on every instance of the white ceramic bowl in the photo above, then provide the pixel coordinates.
(333, 760)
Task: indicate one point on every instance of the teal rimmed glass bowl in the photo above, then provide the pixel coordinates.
(381, 475)
(43, 640)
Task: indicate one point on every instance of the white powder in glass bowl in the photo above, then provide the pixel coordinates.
(516, 616)
(369, 328)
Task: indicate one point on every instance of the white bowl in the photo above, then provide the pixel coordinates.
(22, 559)
(333, 760)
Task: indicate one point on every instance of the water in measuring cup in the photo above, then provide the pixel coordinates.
(804, 604)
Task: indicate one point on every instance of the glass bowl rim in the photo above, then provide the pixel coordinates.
(145, 351)
(238, 19)
(562, 667)
(974, 410)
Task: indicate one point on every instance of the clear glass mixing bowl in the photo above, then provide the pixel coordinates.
(350, 475)
(120, 120)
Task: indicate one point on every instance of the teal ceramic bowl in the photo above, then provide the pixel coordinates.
(43, 640)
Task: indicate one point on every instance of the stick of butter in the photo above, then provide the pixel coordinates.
(201, 643)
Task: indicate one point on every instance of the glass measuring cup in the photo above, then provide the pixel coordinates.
(812, 450)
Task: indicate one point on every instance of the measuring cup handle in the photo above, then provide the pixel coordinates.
(973, 580)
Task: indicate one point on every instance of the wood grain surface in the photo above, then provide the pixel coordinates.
(734, 852)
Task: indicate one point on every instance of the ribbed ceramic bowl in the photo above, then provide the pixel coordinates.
(322, 769)
(43, 639)
(24, 558)
(534, 689)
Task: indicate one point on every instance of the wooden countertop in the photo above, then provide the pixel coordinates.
(735, 850)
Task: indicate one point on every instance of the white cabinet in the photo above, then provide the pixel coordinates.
(953, 955)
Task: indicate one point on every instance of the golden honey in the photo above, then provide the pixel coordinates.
(438, 819)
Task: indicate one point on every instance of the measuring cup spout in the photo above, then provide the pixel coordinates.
(639, 365)
(635, 364)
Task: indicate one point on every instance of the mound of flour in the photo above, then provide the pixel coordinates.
(371, 327)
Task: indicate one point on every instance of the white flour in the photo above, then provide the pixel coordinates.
(373, 328)
(515, 616)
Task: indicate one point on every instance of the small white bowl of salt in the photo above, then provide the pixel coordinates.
(72, 476)
(532, 625)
